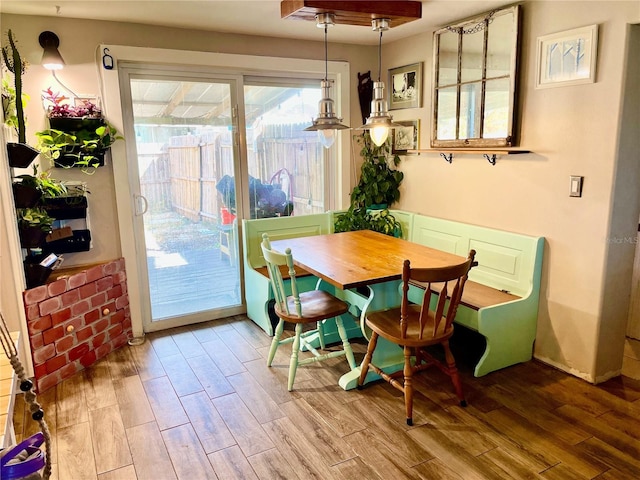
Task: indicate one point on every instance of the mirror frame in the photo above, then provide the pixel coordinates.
(510, 139)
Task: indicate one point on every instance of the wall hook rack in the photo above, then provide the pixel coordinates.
(491, 158)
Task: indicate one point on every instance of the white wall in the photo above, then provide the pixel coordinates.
(570, 130)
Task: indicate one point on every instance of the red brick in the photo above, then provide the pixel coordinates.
(56, 363)
(69, 370)
(35, 295)
(88, 359)
(36, 341)
(52, 334)
(32, 312)
(64, 344)
(39, 325)
(111, 307)
(114, 292)
(80, 308)
(101, 325)
(126, 325)
(117, 317)
(92, 316)
(40, 370)
(79, 351)
(84, 333)
(119, 341)
(57, 288)
(111, 268)
(115, 331)
(77, 280)
(50, 305)
(70, 297)
(88, 290)
(61, 316)
(45, 383)
(104, 284)
(43, 354)
(122, 301)
(95, 273)
(122, 279)
(98, 299)
(76, 323)
(103, 350)
(98, 340)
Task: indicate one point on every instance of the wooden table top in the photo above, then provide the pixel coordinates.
(354, 259)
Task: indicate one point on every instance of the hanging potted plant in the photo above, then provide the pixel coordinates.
(31, 190)
(377, 189)
(79, 136)
(20, 154)
(34, 224)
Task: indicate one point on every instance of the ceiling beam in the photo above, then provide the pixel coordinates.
(353, 12)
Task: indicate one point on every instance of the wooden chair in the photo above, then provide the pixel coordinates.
(300, 308)
(415, 327)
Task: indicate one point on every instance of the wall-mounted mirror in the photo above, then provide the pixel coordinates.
(474, 81)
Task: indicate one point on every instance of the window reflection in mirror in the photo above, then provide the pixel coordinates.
(474, 81)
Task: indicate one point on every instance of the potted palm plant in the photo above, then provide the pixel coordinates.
(20, 154)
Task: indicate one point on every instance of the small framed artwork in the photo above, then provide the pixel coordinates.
(406, 137)
(405, 86)
(567, 58)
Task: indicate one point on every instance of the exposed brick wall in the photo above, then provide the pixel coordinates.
(77, 320)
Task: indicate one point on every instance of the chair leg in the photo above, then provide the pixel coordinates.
(295, 349)
(346, 346)
(364, 368)
(408, 385)
(277, 334)
(320, 326)
(453, 373)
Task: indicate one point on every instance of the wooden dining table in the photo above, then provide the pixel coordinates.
(365, 269)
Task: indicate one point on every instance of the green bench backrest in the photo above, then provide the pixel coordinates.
(506, 261)
(279, 228)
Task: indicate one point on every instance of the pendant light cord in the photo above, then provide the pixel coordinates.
(326, 53)
(380, 56)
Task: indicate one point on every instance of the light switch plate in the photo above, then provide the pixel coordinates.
(575, 187)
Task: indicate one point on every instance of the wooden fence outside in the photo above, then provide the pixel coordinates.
(183, 177)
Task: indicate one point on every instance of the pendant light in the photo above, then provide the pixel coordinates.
(380, 121)
(327, 123)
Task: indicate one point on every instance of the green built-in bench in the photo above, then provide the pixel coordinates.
(500, 299)
(258, 292)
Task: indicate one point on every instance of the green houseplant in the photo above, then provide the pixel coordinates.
(78, 136)
(33, 225)
(13, 100)
(29, 190)
(377, 189)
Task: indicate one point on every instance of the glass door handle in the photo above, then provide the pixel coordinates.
(142, 205)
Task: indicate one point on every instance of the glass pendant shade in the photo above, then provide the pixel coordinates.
(379, 121)
(327, 122)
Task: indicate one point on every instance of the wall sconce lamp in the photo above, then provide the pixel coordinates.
(51, 58)
(327, 122)
(380, 121)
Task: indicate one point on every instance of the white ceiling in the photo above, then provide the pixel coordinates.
(253, 17)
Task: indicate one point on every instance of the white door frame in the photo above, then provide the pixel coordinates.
(205, 61)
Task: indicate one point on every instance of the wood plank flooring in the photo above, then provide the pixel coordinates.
(199, 403)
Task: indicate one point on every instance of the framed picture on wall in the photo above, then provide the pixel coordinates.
(405, 137)
(567, 58)
(405, 86)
